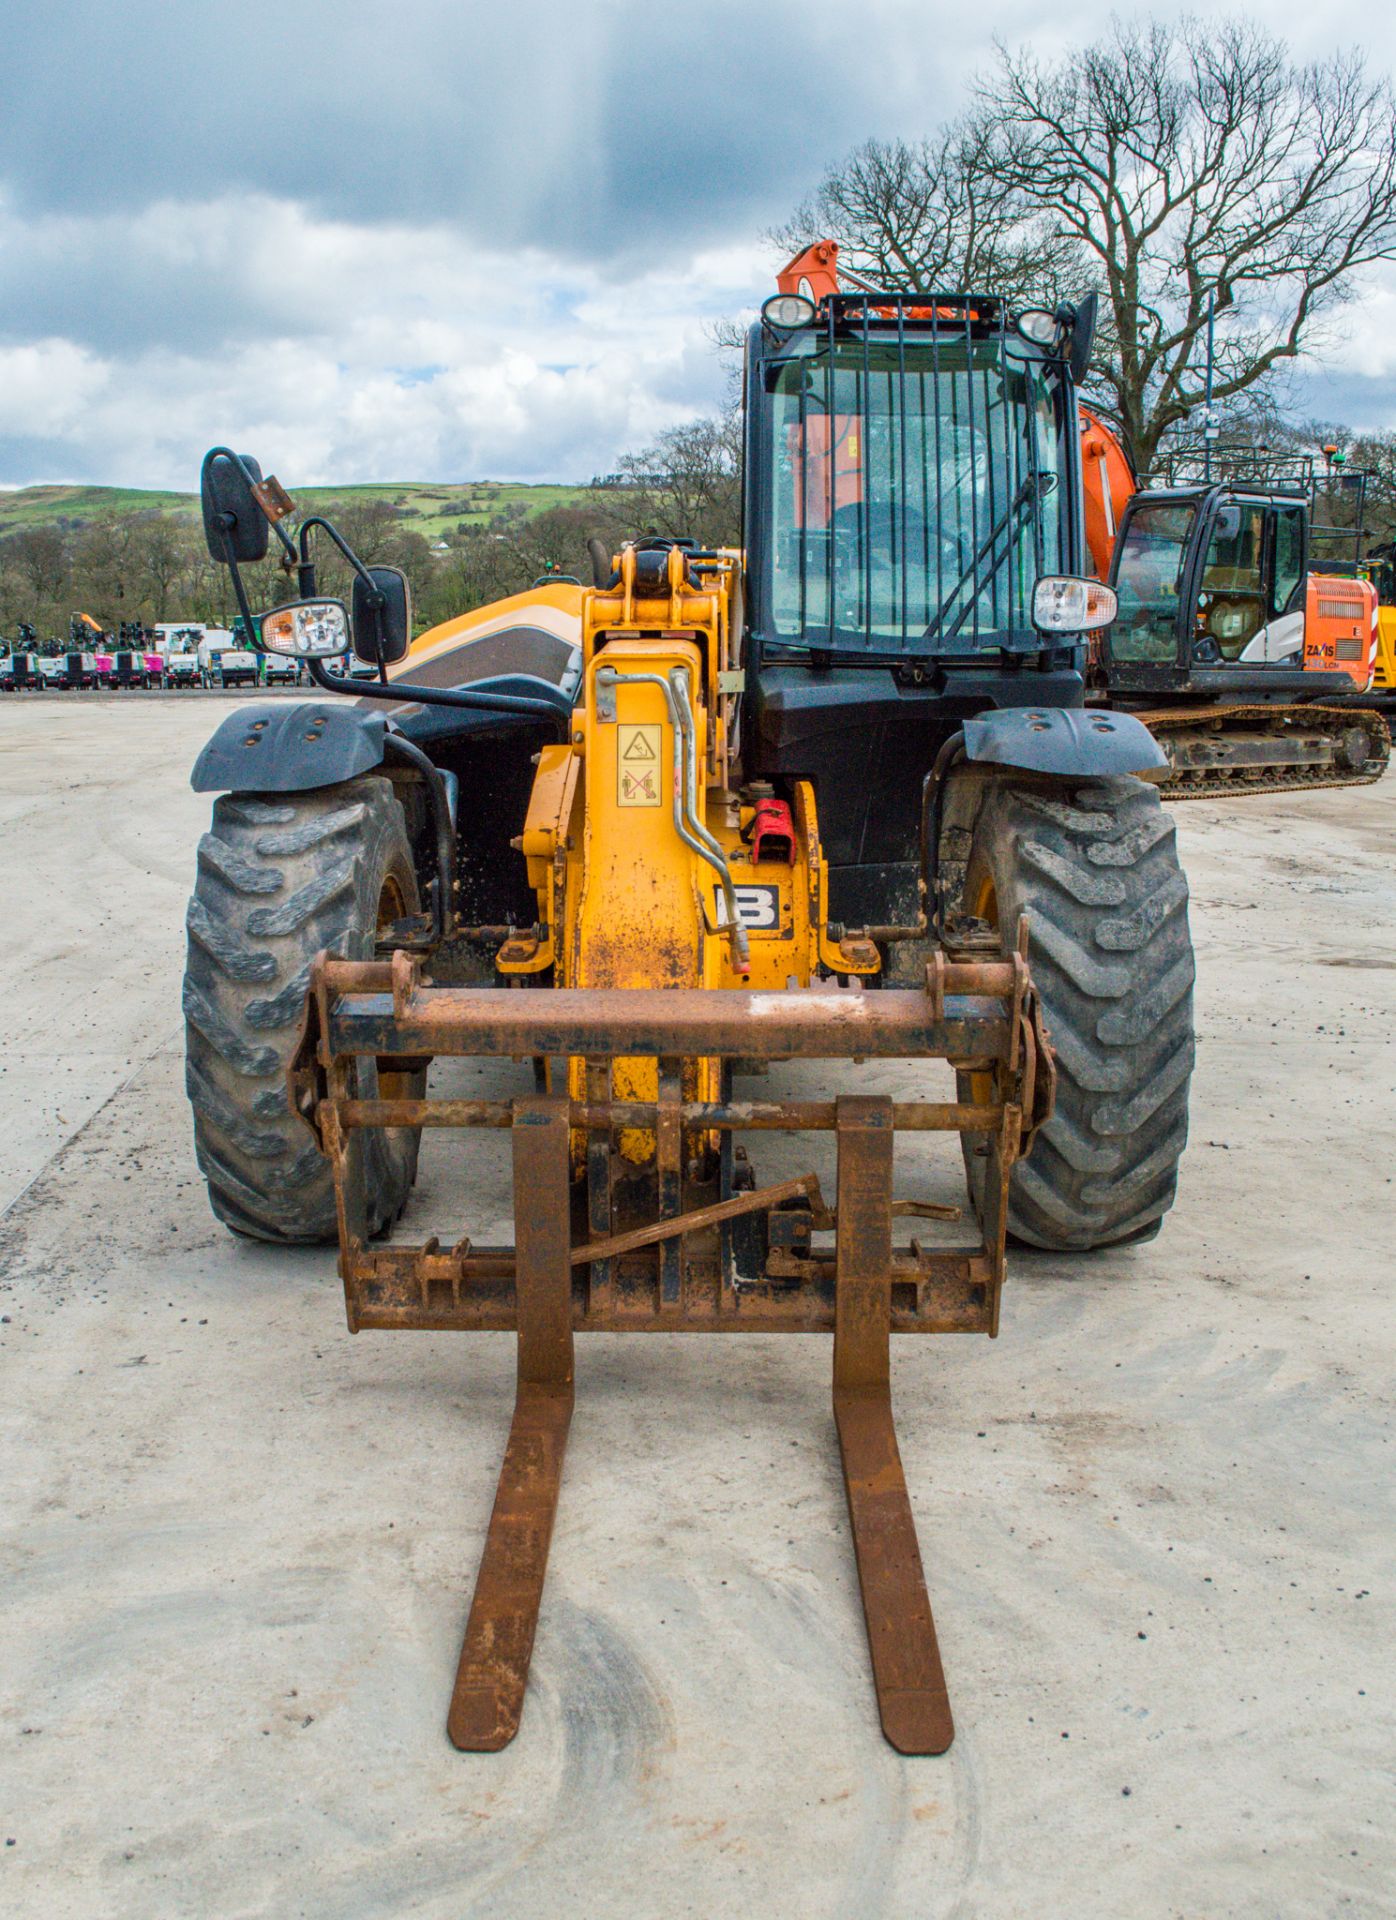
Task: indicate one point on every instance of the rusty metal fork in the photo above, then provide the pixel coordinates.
(493, 1675)
(911, 1697)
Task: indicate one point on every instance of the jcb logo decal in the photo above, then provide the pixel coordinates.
(758, 908)
(637, 765)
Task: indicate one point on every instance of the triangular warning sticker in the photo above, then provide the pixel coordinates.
(639, 747)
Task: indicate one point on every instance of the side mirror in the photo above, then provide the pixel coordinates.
(1083, 336)
(305, 630)
(235, 527)
(382, 632)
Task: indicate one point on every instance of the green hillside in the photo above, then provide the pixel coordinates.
(34, 506)
(426, 509)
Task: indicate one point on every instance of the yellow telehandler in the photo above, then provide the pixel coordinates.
(834, 797)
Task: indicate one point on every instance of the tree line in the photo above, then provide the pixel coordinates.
(152, 566)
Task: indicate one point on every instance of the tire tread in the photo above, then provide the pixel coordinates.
(278, 879)
(1096, 870)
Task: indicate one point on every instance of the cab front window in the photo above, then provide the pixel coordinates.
(914, 495)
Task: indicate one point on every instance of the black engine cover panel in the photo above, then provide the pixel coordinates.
(866, 743)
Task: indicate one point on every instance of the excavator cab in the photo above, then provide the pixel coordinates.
(1216, 596)
(1246, 632)
(1240, 575)
(1207, 578)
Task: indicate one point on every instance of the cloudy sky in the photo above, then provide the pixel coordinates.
(455, 239)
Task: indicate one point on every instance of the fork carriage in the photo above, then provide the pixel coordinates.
(681, 1245)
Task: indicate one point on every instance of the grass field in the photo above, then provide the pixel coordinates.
(432, 510)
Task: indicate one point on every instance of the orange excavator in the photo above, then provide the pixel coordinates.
(1243, 636)
(1245, 632)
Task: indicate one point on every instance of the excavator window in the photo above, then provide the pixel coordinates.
(1289, 557)
(1148, 573)
(914, 496)
(1233, 602)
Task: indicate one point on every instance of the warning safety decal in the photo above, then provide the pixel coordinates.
(637, 765)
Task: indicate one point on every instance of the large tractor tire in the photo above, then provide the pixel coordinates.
(281, 876)
(1095, 868)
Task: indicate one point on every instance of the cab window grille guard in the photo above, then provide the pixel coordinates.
(914, 458)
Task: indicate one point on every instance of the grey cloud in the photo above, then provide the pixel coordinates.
(99, 285)
(28, 458)
(596, 130)
(1364, 402)
(156, 157)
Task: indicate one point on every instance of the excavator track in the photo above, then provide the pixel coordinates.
(1217, 751)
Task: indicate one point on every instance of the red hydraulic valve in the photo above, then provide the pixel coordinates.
(773, 832)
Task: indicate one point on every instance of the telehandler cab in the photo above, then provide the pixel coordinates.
(834, 797)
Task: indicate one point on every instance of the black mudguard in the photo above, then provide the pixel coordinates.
(289, 747)
(1081, 741)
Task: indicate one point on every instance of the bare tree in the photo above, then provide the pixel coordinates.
(106, 567)
(1375, 455)
(15, 595)
(41, 555)
(932, 216)
(376, 531)
(688, 483)
(1198, 168)
(165, 551)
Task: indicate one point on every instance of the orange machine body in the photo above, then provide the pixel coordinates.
(1340, 627)
(814, 274)
(1109, 481)
(828, 451)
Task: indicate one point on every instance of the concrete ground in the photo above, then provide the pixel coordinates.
(238, 1545)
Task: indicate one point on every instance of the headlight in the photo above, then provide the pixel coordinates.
(1065, 603)
(786, 311)
(307, 630)
(1039, 326)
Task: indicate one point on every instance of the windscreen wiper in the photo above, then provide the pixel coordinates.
(1033, 487)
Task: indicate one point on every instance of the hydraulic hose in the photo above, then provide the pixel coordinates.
(931, 792)
(711, 851)
(443, 906)
(687, 825)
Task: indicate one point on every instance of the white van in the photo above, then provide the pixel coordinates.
(178, 641)
(223, 663)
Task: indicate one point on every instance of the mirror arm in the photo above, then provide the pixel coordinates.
(318, 520)
(459, 697)
(254, 632)
(307, 571)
